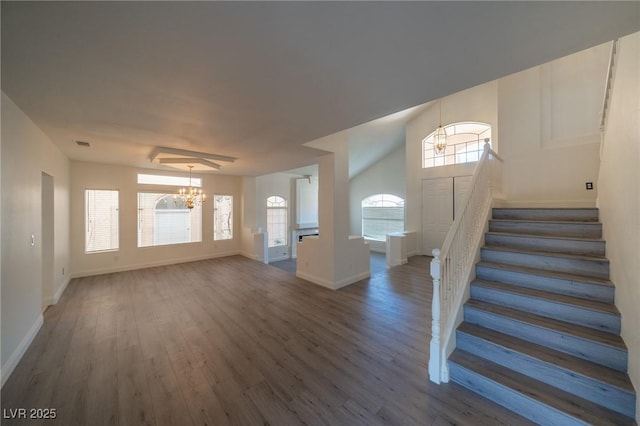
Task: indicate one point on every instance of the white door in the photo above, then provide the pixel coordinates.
(440, 200)
(460, 188)
(437, 212)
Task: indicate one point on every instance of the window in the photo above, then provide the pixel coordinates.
(222, 217)
(169, 180)
(465, 142)
(277, 221)
(165, 219)
(101, 219)
(381, 215)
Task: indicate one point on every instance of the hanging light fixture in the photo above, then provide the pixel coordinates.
(191, 196)
(440, 136)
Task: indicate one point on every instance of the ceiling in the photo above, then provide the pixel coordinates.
(257, 80)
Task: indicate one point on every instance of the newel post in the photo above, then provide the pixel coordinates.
(435, 360)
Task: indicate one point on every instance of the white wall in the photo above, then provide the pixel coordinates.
(387, 176)
(476, 104)
(619, 196)
(549, 130)
(26, 153)
(129, 256)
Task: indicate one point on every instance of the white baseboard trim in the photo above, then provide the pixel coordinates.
(249, 255)
(333, 285)
(63, 287)
(152, 264)
(16, 356)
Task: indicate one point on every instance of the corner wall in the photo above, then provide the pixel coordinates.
(619, 197)
(26, 153)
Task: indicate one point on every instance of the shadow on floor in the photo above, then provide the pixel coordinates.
(377, 264)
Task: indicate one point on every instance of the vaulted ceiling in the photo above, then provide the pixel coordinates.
(257, 80)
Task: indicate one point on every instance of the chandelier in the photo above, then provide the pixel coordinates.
(440, 136)
(191, 196)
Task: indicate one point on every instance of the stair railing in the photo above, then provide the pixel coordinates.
(452, 265)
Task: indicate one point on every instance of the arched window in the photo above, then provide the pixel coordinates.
(381, 215)
(165, 219)
(465, 142)
(277, 221)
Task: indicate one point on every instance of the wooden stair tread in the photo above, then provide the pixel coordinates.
(546, 394)
(566, 361)
(584, 333)
(555, 297)
(549, 237)
(547, 254)
(547, 273)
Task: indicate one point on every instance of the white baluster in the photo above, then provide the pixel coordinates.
(435, 352)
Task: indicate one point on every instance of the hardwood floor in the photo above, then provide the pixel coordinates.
(232, 341)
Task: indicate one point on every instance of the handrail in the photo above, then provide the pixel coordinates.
(452, 265)
(608, 84)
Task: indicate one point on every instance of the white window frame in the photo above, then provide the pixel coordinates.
(148, 219)
(217, 235)
(382, 201)
(283, 211)
(464, 145)
(111, 215)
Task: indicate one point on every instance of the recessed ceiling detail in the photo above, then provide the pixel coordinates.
(182, 159)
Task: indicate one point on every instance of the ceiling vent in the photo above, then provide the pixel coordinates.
(83, 143)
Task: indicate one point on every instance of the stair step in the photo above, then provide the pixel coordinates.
(573, 264)
(593, 345)
(587, 313)
(548, 214)
(555, 228)
(572, 245)
(528, 397)
(556, 282)
(588, 380)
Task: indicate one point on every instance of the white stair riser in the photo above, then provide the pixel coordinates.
(515, 401)
(585, 290)
(595, 268)
(586, 349)
(579, 247)
(585, 387)
(587, 215)
(580, 230)
(547, 308)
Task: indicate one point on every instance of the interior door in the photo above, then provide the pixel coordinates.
(441, 198)
(460, 188)
(437, 212)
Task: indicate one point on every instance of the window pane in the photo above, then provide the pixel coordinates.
(165, 219)
(277, 221)
(382, 214)
(101, 219)
(168, 180)
(222, 217)
(465, 142)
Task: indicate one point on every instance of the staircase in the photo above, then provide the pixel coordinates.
(541, 335)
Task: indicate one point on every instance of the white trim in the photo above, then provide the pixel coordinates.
(17, 355)
(249, 255)
(152, 264)
(279, 258)
(330, 284)
(63, 287)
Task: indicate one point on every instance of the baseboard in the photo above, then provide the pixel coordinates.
(63, 287)
(249, 255)
(16, 356)
(152, 264)
(330, 284)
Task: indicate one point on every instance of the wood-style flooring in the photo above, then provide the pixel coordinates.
(234, 341)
